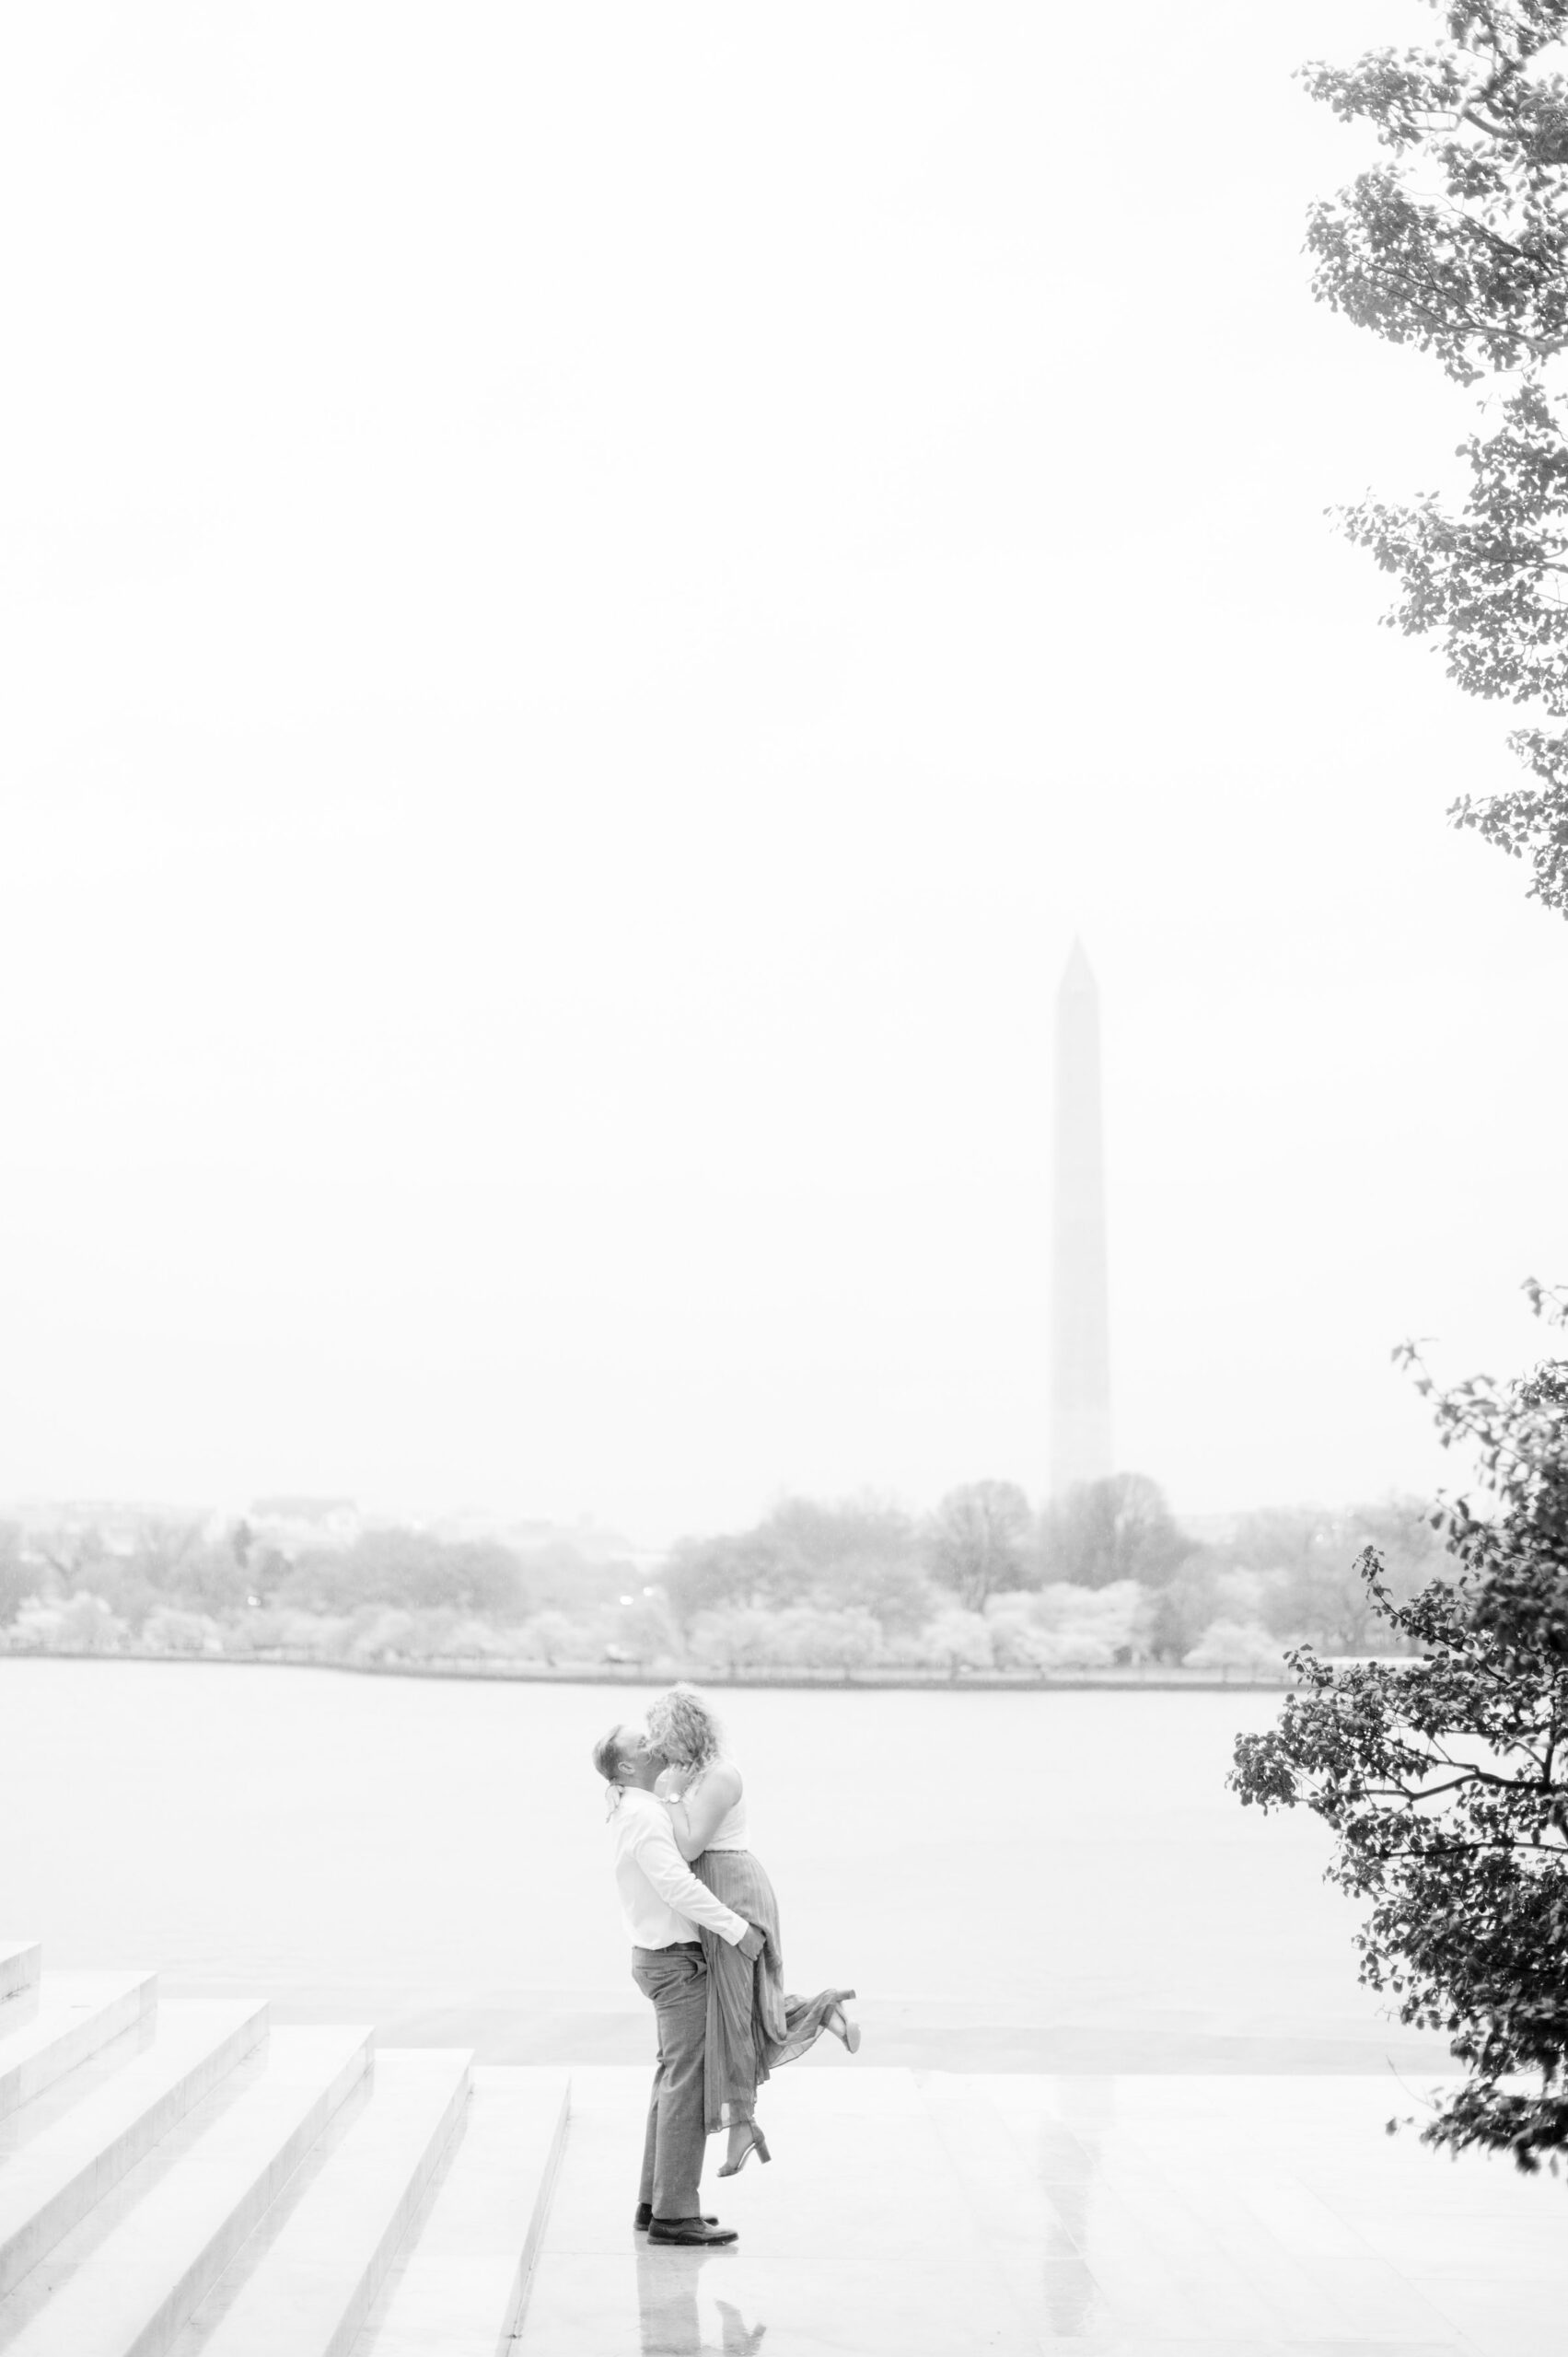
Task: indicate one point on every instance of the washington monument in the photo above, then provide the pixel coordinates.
(1080, 1346)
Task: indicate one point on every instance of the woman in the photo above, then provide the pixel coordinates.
(752, 2026)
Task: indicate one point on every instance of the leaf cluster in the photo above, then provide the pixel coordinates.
(1444, 1778)
(1466, 261)
(1456, 243)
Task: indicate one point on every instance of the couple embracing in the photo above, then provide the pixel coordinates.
(704, 1929)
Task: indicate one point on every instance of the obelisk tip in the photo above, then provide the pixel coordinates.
(1077, 974)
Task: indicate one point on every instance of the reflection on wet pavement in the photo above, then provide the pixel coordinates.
(934, 2213)
(667, 2315)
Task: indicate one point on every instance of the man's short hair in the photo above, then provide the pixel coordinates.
(608, 1753)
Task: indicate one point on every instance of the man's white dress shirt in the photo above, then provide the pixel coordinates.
(661, 1899)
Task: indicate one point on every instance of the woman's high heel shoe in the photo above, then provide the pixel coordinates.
(839, 2022)
(758, 2145)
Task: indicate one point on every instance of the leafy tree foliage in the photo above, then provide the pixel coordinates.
(73, 1555)
(822, 1638)
(979, 1541)
(643, 1631)
(862, 1555)
(858, 1554)
(560, 1575)
(162, 1561)
(171, 1631)
(1103, 1532)
(960, 1639)
(1458, 244)
(164, 1544)
(733, 1636)
(1089, 1628)
(412, 1570)
(549, 1637)
(1310, 1554)
(1182, 1610)
(733, 1571)
(88, 1625)
(1240, 1645)
(209, 1579)
(1445, 1778)
(121, 1584)
(16, 1582)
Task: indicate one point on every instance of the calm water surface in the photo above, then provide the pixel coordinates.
(1049, 1881)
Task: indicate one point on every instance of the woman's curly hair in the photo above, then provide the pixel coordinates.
(681, 1726)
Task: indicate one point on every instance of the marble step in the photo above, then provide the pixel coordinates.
(48, 2180)
(459, 2290)
(75, 2014)
(21, 1961)
(127, 2288)
(308, 2283)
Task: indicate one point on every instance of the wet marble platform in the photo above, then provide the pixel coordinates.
(180, 2178)
(932, 2214)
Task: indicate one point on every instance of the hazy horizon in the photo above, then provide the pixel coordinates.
(593, 601)
(469, 1517)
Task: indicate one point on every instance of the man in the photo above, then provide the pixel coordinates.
(662, 1902)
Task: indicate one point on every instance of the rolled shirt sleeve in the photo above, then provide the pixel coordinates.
(652, 1841)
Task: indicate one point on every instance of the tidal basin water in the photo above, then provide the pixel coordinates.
(1045, 1881)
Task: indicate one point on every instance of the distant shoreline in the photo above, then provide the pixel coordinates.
(861, 1682)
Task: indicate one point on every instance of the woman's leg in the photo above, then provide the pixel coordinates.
(742, 2129)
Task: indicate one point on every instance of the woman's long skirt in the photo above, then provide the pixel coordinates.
(753, 2027)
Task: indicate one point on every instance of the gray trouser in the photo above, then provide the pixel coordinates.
(676, 1981)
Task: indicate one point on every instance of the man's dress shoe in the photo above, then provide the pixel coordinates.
(644, 2218)
(694, 2232)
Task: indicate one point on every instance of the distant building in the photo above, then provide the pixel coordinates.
(291, 1524)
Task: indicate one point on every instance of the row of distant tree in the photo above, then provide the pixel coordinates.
(1290, 1570)
(177, 1562)
(1106, 1576)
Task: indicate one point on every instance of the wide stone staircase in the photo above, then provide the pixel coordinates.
(181, 2176)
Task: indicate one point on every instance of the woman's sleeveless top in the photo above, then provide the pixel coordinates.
(730, 1832)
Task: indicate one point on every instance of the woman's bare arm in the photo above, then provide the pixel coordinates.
(697, 1818)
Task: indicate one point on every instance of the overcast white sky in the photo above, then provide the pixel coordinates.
(588, 599)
